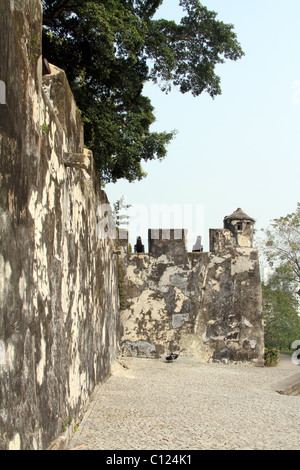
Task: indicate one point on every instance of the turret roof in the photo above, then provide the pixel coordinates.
(238, 215)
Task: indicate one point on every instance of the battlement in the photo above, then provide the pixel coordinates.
(237, 233)
(163, 241)
(202, 303)
(219, 240)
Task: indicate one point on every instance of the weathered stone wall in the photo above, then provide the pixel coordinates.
(205, 304)
(59, 303)
(59, 275)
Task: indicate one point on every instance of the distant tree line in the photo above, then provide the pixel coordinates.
(281, 292)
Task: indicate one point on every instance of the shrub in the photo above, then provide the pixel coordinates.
(271, 357)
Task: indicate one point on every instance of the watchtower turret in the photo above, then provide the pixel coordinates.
(241, 227)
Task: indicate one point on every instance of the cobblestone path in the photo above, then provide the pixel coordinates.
(153, 405)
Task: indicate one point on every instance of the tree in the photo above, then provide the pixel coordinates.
(282, 247)
(120, 214)
(110, 48)
(280, 311)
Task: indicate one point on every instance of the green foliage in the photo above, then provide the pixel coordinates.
(122, 293)
(282, 247)
(280, 311)
(280, 302)
(271, 357)
(120, 212)
(35, 47)
(110, 49)
(44, 128)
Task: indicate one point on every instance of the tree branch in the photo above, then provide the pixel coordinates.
(48, 19)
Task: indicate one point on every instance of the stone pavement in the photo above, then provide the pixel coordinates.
(152, 405)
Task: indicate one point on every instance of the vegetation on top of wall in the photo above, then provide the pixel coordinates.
(110, 49)
(122, 292)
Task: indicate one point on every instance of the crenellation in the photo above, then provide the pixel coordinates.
(123, 239)
(170, 242)
(219, 240)
(207, 302)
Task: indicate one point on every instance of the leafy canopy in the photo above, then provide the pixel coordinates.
(282, 246)
(110, 48)
(280, 310)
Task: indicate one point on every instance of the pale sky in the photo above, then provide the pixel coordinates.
(240, 149)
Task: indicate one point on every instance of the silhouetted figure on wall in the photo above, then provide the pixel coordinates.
(139, 247)
(198, 245)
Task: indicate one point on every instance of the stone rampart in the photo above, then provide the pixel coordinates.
(203, 304)
(59, 304)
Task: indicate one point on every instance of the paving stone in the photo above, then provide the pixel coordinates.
(193, 405)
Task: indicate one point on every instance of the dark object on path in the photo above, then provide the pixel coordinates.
(171, 357)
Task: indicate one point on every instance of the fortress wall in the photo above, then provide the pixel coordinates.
(60, 275)
(203, 304)
(59, 304)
